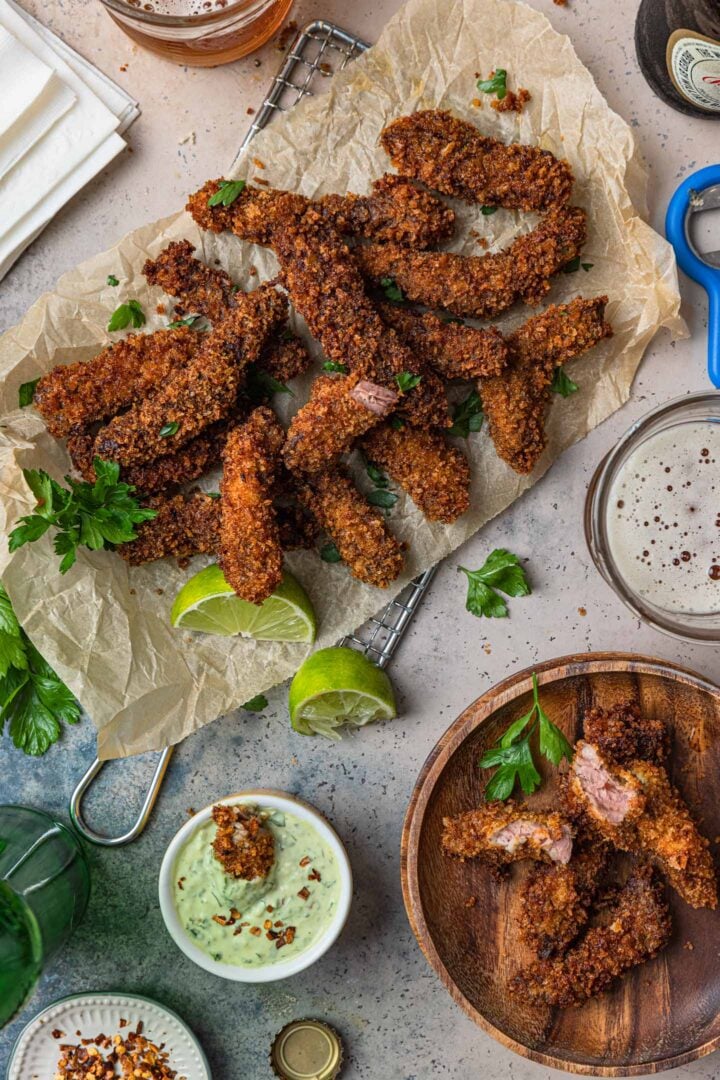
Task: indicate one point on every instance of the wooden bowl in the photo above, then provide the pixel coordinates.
(663, 1014)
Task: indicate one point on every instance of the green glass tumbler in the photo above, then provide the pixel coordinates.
(44, 890)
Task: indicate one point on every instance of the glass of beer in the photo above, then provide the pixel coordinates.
(202, 33)
(44, 890)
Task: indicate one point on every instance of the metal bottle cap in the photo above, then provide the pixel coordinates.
(307, 1050)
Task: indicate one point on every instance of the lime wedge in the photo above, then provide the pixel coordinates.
(338, 686)
(206, 602)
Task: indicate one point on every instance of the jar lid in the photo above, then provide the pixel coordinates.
(307, 1050)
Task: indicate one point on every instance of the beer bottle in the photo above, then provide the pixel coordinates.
(678, 49)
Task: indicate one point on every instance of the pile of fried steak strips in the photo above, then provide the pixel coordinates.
(584, 927)
(170, 405)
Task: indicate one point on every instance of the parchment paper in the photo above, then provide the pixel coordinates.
(104, 627)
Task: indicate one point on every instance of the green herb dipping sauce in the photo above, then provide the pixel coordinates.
(202, 889)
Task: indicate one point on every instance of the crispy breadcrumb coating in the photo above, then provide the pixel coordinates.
(250, 552)
(556, 900)
(500, 833)
(366, 545)
(454, 350)
(335, 415)
(395, 210)
(435, 474)
(200, 394)
(623, 734)
(452, 156)
(285, 357)
(636, 927)
(667, 833)
(188, 463)
(516, 401)
(481, 286)
(201, 289)
(243, 844)
(324, 284)
(74, 395)
(297, 528)
(185, 525)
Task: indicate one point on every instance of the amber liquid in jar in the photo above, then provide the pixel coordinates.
(200, 33)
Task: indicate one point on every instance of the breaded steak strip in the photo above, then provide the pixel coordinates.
(452, 349)
(623, 734)
(201, 289)
(368, 548)
(250, 553)
(188, 463)
(185, 525)
(74, 395)
(324, 284)
(452, 156)
(667, 833)
(637, 927)
(338, 411)
(435, 474)
(516, 401)
(500, 833)
(395, 210)
(481, 286)
(556, 899)
(200, 394)
(608, 796)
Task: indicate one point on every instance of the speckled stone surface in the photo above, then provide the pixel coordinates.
(374, 985)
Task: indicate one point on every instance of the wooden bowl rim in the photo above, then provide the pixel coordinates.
(475, 715)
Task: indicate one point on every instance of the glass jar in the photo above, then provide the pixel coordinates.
(44, 891)
(201, 33)
(602, 502)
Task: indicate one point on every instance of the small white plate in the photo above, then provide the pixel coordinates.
(36, 1052)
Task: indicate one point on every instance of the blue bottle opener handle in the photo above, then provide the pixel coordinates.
(676, 230)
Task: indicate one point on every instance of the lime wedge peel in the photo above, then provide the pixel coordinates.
(208, 604)
(339, 686)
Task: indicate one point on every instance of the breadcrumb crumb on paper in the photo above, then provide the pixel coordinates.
(133, 662)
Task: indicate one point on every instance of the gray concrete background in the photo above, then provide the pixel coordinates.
(374, 985)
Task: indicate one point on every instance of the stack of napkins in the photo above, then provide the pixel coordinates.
(60, 124)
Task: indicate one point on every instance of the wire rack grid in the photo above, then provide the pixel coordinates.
(320, 49)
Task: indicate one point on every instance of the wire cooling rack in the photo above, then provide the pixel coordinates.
(319, 50)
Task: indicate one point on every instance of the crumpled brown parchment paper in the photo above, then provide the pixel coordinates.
(104, 627)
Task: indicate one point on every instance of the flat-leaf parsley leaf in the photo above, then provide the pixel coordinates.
(227, 193)
(392, 290)
(496, 84)
(501, 570)
(407, 381)
(127, 314)
(562, 383)
(26, 393)
(467, 416)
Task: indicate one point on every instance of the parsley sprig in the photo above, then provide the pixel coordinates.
(562, 383)
(501, 570)
(34, 702)
(127, 315)
(228, 191)
(97, 516)
(496, 84)
(513, 755)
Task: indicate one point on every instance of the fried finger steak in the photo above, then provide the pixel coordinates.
(556, 900)
(185, 525)
(624, 734)
(481, 286)
(516, 401)
(452, 349)
(250, 552)
(450, 155)
(394, 211)
(501, 833)
(358, 530)
(202, 393)
(435, 474)
(635, 928)
(320, 274)
(337, 412)
(74, 395)
(608, 796)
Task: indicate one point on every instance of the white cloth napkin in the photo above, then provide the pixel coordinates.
(44, 170)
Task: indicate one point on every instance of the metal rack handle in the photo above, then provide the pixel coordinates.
(81, 791)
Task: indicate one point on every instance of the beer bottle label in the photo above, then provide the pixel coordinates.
(693, 61)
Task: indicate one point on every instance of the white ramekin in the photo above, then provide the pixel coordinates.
(275, 800)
